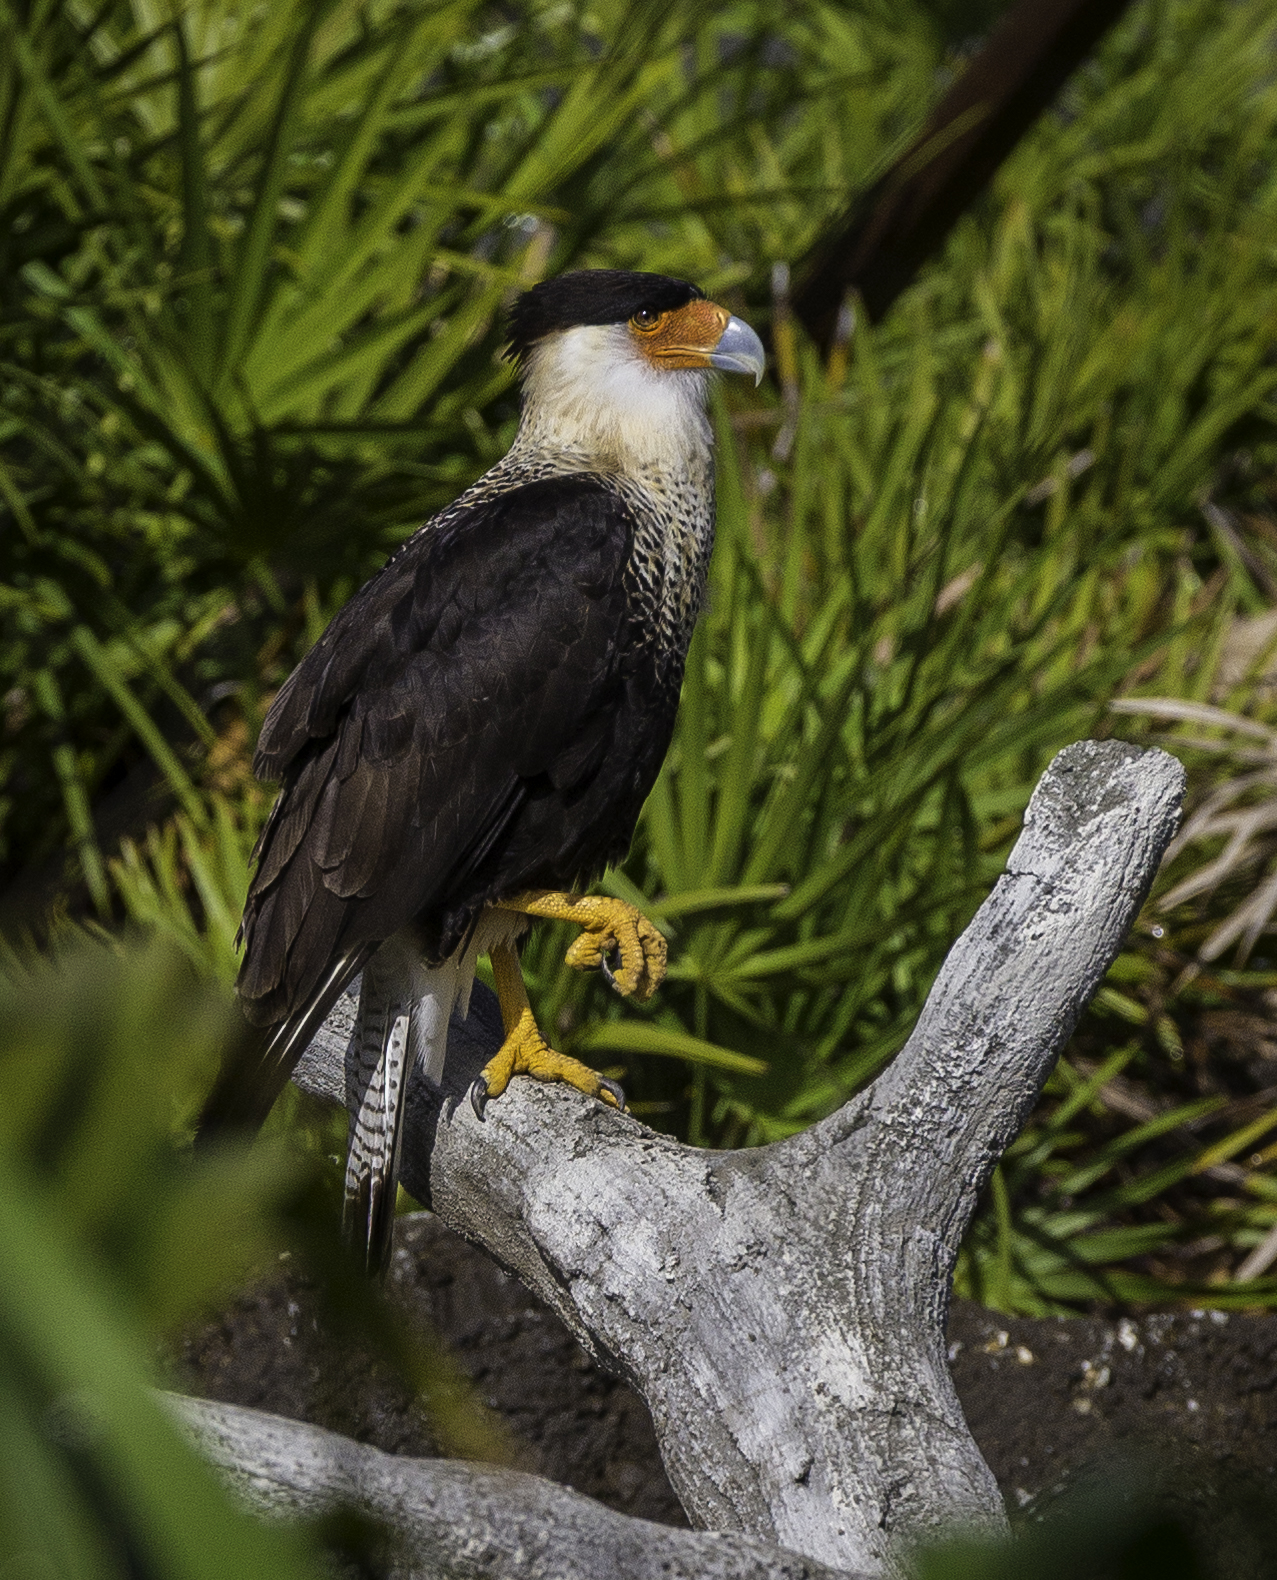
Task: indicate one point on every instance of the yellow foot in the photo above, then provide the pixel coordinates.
(611, 928)
(526, 1052)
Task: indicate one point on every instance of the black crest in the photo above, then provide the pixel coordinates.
(591, 296)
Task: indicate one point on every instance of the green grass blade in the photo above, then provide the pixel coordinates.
(630, 1036)
(99, 663)
(75, 795)
(195, 261)
(248, 280)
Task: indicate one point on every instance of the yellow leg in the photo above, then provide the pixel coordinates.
(525, 1051)
(610, 926)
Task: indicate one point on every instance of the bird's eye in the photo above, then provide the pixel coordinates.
(646, 319)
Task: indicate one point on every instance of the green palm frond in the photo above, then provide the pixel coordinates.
(252, 267)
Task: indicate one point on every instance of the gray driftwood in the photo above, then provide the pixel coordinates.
(449, 1520)
(782, 1310)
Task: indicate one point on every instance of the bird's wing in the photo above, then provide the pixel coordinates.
(478, 662)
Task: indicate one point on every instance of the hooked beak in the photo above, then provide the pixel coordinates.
(702, 335)
(739, 350)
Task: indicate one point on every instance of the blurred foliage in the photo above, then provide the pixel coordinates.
(1137, 1518)
(113, 1236)
(252, 262)
(102, 1057)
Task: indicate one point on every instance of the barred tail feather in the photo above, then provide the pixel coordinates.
(404, 1009)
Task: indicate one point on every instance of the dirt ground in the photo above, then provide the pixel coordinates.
(1045, 1398)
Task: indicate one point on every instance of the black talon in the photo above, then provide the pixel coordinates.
(616, 1091)
(605, 967)
(479, 1096)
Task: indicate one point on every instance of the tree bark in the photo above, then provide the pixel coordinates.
(445, 1519)
(782, 1310)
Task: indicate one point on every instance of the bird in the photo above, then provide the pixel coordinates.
(469, 743)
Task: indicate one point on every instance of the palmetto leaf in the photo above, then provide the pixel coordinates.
(252, 266)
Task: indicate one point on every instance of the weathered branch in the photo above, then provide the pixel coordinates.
(450, 1520)
(907, 214)
(782, 1310)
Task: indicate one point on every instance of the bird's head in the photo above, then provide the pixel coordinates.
(617, 362)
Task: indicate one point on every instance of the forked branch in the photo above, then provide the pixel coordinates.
(782, 1310)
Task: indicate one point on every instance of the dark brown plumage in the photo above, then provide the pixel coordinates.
(487, 715)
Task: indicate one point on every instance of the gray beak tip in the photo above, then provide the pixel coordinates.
(739, 350)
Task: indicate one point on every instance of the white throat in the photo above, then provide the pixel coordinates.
(591, 396)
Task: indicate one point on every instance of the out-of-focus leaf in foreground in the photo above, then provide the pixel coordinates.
(104, 1054)
(101, 1222)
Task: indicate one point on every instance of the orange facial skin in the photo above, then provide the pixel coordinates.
(684, 338)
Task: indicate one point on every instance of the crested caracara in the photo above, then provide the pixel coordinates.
(473, 736)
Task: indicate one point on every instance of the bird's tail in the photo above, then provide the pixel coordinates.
(404, 1009)
(256, 1069)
